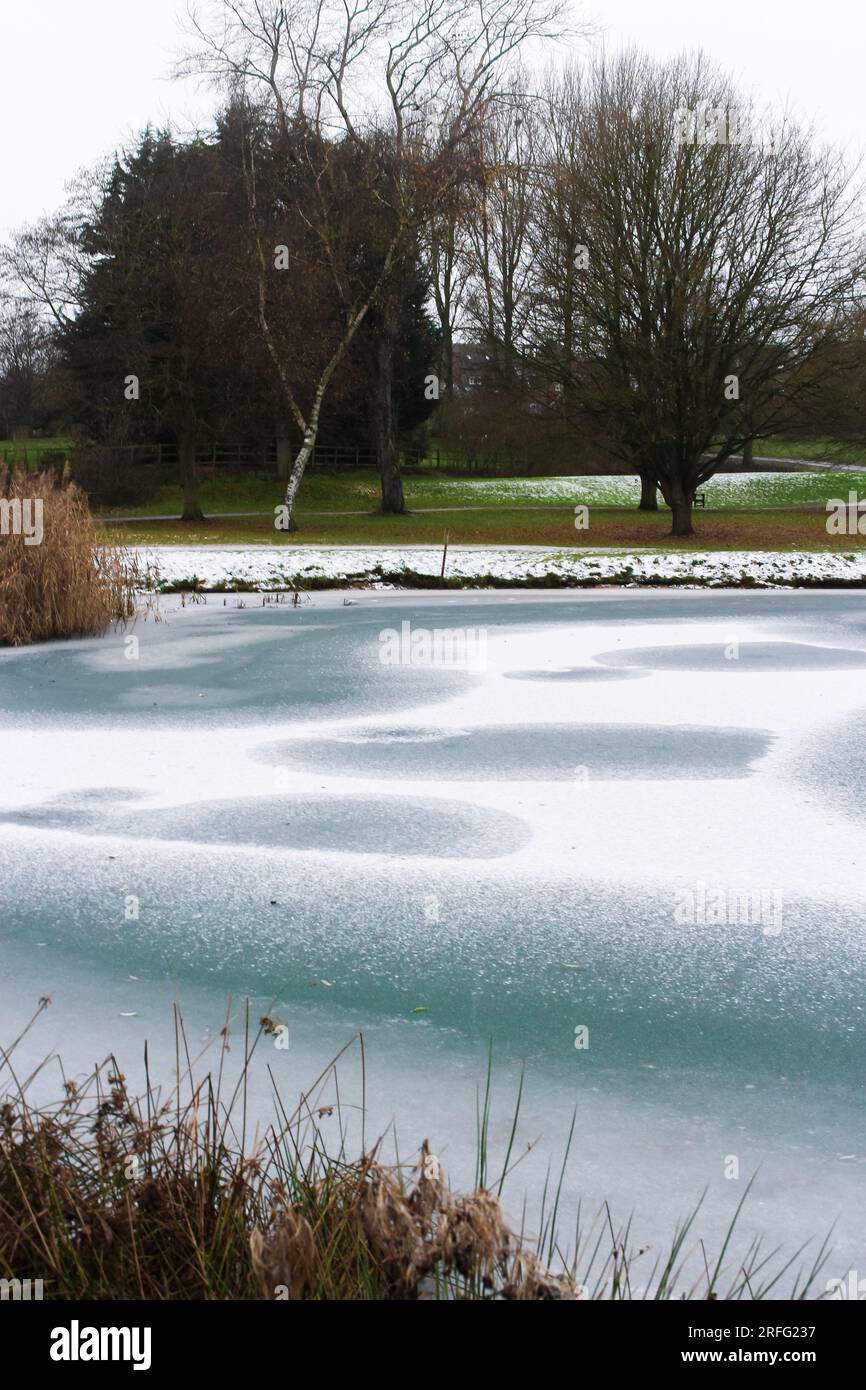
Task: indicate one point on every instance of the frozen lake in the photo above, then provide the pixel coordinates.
(635, 814)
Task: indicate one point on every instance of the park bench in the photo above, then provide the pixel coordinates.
(700, 499)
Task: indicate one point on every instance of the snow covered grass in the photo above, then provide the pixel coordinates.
(784, 512)
(259, 568)
(781, 489)
(723, 490)
(358, 491)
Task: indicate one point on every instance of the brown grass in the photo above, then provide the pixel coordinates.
(794, 528)
(67, 585)
(104, 1195)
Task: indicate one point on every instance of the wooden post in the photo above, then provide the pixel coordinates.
(444, 553)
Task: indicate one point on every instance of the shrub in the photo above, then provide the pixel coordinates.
(119, 477)
(56, 581)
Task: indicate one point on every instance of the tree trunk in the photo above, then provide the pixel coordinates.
(649, 501)
(296, 477)
(393, 502)
(189, 478)
(284, 451)
(306, 451)
(681, 511)
(680, 497)
(748, 448)
(446, 369)
(680, 501)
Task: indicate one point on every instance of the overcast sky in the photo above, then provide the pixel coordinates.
(81, 76)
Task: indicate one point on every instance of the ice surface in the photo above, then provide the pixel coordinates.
(530, 753)
(509, 850)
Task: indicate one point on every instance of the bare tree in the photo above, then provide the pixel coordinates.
(831, 406)
(41, 265)
(446, 245)
(26, 356)
(502, 250)
(408, 85)
(715, 268)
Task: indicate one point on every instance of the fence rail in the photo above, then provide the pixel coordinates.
(225, 457)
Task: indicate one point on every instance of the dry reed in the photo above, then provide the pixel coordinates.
(63, 584)
(103, 1195)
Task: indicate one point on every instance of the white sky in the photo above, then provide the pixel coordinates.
(82, 76)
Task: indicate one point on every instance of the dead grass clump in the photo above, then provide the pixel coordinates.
(366, 1233)
(104, 1195)
(55, 580)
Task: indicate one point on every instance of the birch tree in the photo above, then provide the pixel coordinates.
(407, 86)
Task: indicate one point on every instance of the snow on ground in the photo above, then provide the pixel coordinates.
(600, 490)
(814, 486)
(265, 567)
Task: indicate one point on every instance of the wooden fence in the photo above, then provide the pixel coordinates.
(224, 457)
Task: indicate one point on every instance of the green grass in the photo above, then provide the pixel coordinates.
(261, 492)
(761, 511)
(820, 449)
(29, 450)
(358, 492)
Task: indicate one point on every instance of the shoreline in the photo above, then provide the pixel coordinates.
(255, 569)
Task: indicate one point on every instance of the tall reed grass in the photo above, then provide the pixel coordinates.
(167, 1196)
(66, 585)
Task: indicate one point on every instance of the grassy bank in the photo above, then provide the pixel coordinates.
(810, 449)
(105, 1195)
(742, 529)
(28, 452)
(357, 491)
